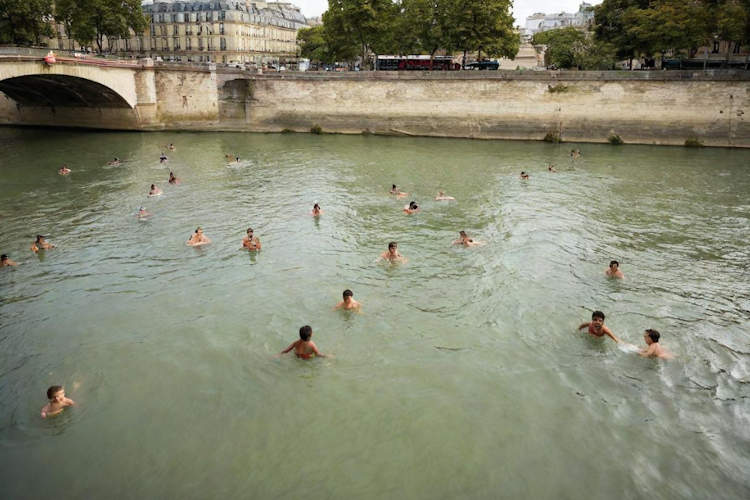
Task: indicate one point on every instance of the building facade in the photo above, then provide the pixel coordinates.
(225, 31)
(539, 22)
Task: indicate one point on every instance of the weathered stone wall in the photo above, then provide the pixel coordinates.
(664, 108)
(661, 107)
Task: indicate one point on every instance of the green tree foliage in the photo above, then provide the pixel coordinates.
(313, 44)
(643, 27)
(572, 48)
(90, 21)
(25, 22)
(358, 27)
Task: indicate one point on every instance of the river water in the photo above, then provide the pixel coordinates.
(463, 377)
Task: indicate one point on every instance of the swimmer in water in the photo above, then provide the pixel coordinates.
(613, 271)
(57, 401)
(463, 239)
(316, 211)
(348, 304)
(64, 170)
(41, 244)
(198, 239)
(251, 242)
(304, 348)
(524, 176)
(6, 262)
(441, 197)
(596, 326)
(411, 208)
(155, 191)
(237, 159)
(392, 254)
(114, 163)
(142, 213)
(396, 191)
(551, 168)
(653, 348)
(171, 147)
(173, 179)
(163, 158)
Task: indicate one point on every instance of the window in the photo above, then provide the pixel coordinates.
(200, 45)
(174, 18)
(221, 28)
(175, 30)
(223, 44)
(736, 49)
(188, 43)
(176, 43)
(153, 30)
(716, 47)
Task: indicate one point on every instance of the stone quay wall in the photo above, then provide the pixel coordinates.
(658, 107)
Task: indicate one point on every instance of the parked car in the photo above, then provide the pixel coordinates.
(484, 65)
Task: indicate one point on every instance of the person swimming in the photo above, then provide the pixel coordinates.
(304, 348)
(6, 262)
(41, 244)
(524, 176)
(613, 271)
(411, 208)
(198, 238)
(348, 302)
(114, 163)
(171, 147)
(64, 170)
(396, 191)
(653, 348)
(316, 211)
(596, 327)
(173, 179)
(155, 191)
(142, 213)
(392, 254)
(251, 242)
(463, 239)
(163, 158)
(551, 168)
(442, 197)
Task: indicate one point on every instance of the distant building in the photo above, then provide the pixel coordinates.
(539, 21)
(224, 31)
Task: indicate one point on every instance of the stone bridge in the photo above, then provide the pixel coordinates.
(646, 107)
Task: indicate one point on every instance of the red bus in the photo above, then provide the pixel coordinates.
(416, 63)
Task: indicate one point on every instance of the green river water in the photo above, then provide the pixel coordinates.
(463, 377)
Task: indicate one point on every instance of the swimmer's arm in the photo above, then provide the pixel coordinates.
(291, 346)
(34, 248)
(338, 306)
(648, 352)
(44, 411)
(257, 244)
(316, 351)
(584, 325)
(69, 402)
(609, 333)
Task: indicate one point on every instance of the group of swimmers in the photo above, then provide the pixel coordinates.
(305, 348)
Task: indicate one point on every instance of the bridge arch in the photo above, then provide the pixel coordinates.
(68, 83)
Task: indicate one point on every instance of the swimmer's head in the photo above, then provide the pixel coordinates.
(4, 257)
(441, 193)
(153, 186)
(392, 246)
(462, 234)
(597, 317)
(393, 187)
(249, 231)
(198, 230)
(171, 174)
(141, 209)
(305, 332)
(348, 293)
(614, 264)
(316, 207)
(651, 336)
(413, 205)
(523, 173)
(55, 392)
(39, 238)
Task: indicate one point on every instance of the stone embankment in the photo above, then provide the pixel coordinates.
(658, 107)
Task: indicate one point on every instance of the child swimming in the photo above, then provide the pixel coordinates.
(653, 348)
(348, 303)
(304, 348)
(57, 401)
(596, 327)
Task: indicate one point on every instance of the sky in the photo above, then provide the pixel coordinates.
(521, 8)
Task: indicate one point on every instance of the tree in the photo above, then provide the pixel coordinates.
(610, 26)
(571, 48)
(313, 44)
(352, 26)
(25, 22)
(484, 26)
(93, 20)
